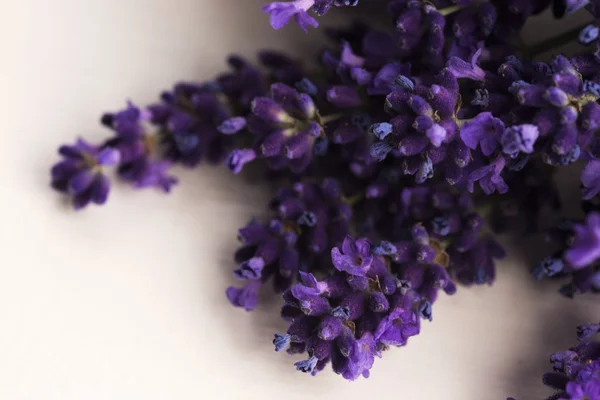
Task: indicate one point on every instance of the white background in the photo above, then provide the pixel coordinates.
(126, 301)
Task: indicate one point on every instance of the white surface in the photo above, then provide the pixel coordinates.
(126, 301)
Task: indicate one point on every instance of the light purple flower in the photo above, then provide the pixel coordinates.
(281, 12)
(246, 297)
(483, 130)
(238, 158)
(356, 258)
(586, 246)
(361, 358)
(489, 177)
(519, 138)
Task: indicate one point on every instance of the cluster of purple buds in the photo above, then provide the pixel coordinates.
(576, 372)
(576, 257)
(309, 220)
(376, 298)
(420, 139)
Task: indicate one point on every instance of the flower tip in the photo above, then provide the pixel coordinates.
(281, 341)
(307, 366)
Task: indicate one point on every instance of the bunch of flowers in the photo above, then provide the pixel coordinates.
(396, 160)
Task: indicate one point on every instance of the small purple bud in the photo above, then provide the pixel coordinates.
(308, 219)
(592, 88)
(422, 123)
(405, 83)
(232, 125)
(586, 331)
(425, 310)
(238, 158)
(320, 146)
(385, 248)
(557, 97)
(436, 134)
(413, 144)
(307, 366)
(419, 105)
(270, 111)
(425, 171)
(250, 269)
(342, 312)
(380, 150)
(381, 129)
(520, 138)
(281, 341)
(307, 86)
(377, 302)
(588, 34)
(482, 98)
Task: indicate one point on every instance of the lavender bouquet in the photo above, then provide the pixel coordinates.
(396, 160)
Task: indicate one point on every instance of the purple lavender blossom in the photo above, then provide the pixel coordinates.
(588, 391)
(399, 136)
(139, 163)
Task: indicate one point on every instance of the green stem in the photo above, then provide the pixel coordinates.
(552, 43)
(330, 118)
(450, 10)
(453, 9)
(353, 200)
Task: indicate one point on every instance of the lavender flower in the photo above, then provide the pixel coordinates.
(576, 256)
(139, 163)
(586, 245)
(281, 12)
(414, 140)
(576, 372)
(346, 321)
(80, 174)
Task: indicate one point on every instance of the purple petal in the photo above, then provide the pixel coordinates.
(81, 181)
(462, 69)
(586, 246)
(349, 246)
(109, 157)
(100, 189)
(232, 125)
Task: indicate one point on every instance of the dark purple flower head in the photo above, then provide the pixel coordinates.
(80, 173)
